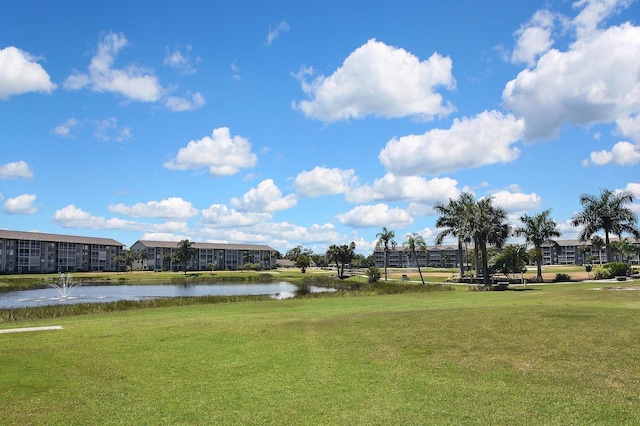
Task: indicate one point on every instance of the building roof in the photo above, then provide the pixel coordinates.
(56, 238)
(205, 246)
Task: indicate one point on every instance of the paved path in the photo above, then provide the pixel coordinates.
(20, 330)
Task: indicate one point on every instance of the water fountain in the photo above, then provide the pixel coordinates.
(64, 285)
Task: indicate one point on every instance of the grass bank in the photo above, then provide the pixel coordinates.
(548, 355)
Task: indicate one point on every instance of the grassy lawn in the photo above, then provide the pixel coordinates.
(549, 355)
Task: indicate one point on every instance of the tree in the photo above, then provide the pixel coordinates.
(598, 243)
(512, 260)
(303, 262)
(247, 257)
(167, 257)
(292, 254)
(184, 253)
(142, 257)
(414, 243)
(117, 259)
(489, 226)
(624, 248)
(211, 266)
(455, 218)
(609, 213)
(130, 256)
(332, 256)
(384, 239)
(345, 255)
(537, 230)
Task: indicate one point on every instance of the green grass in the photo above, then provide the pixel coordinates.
(548, 355)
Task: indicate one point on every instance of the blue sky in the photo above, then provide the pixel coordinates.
(310, 123)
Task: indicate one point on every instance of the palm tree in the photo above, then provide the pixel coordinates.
(332, 256)
(489, 225)
(454, 218)
(184, 253)
(598, 243)
(537, 230)
(384, 239)
(609, 213)
(624, 248)
(416, 242)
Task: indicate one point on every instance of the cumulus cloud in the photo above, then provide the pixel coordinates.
(223, 217)
(133, 82)
(17, 169)
(471, 142)
(630, 127)
(413, 188)
(266, 197)
(170, 208)
(21, 73)
(533, 38)
(74, 217)
(377, 79)
(107, 130)
(594, 12)
(372, 216)
(596, 80)
(324, 181)
(22, 204)
(516, 202)
(221, 153)
(274, 33)
(622, 154)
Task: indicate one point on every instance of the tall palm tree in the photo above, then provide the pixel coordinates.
(537, 230)
(598, 243)
(385, 237)
(454, 218)
(413, 243)
(184, 253)
(607, 212)
(489, 225)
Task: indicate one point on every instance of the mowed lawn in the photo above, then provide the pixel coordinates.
(563, 354)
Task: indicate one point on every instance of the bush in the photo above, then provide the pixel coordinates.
(602, 274)
(617, 269)
(374, 274)
(563, 277)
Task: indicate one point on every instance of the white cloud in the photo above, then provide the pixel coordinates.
(324, 181)
(596, 80)
(372, 216)
(222, 154)
(415, 188)
(74, 217)
(106, 128)
(634, 188)
(622, 154)
(594, 12)
(534, 38)
(274, 33)
(22, 204)
(170, 208)
(266, 197)
(134, 82)
(190, 102)
(64, 130)
(221, 216)
(17, 169)
(377, 79)
(516, 202)
(20, 73)
(630, 127)
(470, 142)
(180, 61)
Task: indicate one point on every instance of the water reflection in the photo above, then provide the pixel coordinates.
(111, 293)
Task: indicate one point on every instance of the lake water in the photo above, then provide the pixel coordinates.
(111, 293)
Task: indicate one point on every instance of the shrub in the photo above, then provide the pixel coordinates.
(602, 274)
(563, 277)
(374, 274)
(617, 269)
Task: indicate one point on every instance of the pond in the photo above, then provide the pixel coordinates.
(112, 293)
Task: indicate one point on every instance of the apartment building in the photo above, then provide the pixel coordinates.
(223, 256)
(401, 257)
(23, 252)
